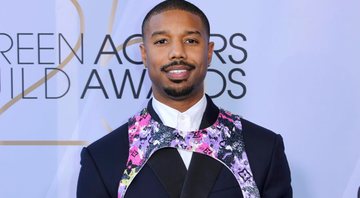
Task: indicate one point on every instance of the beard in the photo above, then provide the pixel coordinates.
(179, 93)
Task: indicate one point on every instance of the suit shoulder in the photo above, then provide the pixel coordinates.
(253, 131)
(261, 145)
(105, 158)
(114, 143)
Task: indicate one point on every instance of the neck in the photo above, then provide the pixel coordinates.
(180, 104)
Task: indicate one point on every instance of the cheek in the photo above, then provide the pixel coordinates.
(156, 60)
(199, 55)
(154, 74)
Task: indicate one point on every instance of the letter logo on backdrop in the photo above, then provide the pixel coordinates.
(30, 54)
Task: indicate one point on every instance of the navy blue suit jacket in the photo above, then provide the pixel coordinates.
(165, 174)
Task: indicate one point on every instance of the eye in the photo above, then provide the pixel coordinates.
(160, 42)
(191, 41)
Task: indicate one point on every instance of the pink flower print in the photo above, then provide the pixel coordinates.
(205, 149)
(197, 137)
(226, 116)
(135, 156)
(144, 120)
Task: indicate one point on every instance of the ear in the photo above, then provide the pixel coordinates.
(210, 52)
(143, 54)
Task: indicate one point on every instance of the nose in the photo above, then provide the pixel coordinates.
(177, 51)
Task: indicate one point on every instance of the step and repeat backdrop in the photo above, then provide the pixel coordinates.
(71, 72)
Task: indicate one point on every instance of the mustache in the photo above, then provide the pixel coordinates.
(181, 62)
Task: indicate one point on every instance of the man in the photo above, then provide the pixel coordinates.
(182, 145)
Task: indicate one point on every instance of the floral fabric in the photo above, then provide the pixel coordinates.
(222, 141)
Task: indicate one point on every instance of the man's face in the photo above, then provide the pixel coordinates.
(177, 53)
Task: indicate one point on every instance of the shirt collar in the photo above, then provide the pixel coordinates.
(169, 116)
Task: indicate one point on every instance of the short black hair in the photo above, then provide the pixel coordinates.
(176, 5)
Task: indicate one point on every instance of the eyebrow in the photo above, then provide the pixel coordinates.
(193, 32)
(158, 33)
(163, 32)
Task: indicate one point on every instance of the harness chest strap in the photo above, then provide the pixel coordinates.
(222, 141)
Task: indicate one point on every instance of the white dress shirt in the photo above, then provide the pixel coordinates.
(189, 120)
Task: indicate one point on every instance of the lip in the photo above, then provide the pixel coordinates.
(178, 72)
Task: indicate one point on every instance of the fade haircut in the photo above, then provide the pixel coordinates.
(176, 5)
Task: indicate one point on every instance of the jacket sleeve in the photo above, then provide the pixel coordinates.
(90, 183)
(278, 179)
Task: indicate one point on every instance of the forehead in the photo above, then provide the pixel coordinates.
(172, 21)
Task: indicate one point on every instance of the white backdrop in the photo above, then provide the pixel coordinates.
(290, 66)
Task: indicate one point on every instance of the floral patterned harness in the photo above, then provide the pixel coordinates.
(222, 141)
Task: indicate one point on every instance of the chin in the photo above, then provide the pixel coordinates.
(179, 94)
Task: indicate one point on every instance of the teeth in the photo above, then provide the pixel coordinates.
(177, 71)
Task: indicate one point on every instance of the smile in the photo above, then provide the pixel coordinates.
(177, 71)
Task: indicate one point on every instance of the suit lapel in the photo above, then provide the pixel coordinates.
(203, 170)
(201, 176)
(210, 115)
(198, 180)
(171, 172)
